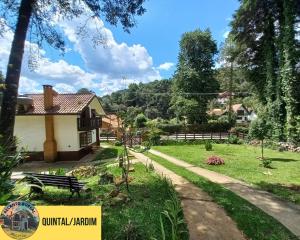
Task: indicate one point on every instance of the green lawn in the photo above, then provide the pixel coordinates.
(139, 216)
(241, 162)
(253, 222)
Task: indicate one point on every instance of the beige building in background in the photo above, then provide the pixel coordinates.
(52, 126)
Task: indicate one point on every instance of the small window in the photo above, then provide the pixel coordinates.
(240, 112)
(85, 138)
(93, 111)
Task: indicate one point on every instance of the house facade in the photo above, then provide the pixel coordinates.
(243, 115)
(52, 126)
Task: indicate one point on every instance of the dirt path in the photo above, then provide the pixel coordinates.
(286, 213)
(205, 219)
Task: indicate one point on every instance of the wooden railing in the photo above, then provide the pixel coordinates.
(86, 124)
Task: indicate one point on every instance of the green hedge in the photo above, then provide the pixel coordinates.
(195, 128)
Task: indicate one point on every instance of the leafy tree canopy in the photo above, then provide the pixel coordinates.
(194, 81)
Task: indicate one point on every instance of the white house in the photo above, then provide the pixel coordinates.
(243, 115)
(52, 126)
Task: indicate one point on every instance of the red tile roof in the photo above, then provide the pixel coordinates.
(112, 120)
(63, 103)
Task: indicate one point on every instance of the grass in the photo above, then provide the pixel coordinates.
(253, 222)
(241, 163)
(140, 215)
(111, 152)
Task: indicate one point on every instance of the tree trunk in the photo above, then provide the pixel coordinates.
(262, 149)
(230, 93)
(9, 102)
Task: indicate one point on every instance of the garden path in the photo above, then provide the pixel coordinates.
(286, 213)
(205, 219)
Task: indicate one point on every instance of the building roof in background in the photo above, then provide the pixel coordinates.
(216, 111)
(236, 107)
(63, 104)
(112, 119)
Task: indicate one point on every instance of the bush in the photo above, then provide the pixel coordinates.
(266, 163)
(208, 146)
(212, 126)
(140, 121)
(58, 172)
(232, 139)
(118, 143)
(189, 142)
(170, 128)
(215, 160)
(244, 130)
(8, 160)
(146, 144)
(153, 136)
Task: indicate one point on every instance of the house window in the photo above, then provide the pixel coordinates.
(240, 112)
(85, 138)
(93, 111)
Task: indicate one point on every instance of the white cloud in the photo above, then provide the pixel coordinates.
(225, 34)
(64, 88)
(111, 60)
(105, 65)
(166, 66)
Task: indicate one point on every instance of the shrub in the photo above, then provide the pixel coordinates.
(146, 144)
(208, 146)
(118, 143)
(130, 231)
(189, 142)
(140, 121)
(240, 129)
(212, 126)
(215, 160)
(8, 160)
(153, 136)
(170, 128)
(58, 172)
(232, 139)
(266, 163)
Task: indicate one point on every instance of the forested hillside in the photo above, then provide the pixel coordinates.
(153, 99)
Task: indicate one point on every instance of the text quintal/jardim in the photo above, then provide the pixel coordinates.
(64, 221)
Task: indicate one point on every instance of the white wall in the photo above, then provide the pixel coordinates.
(97, 106)
(66, 134)
(30, 132)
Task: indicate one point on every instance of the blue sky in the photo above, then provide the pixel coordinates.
(148, 53)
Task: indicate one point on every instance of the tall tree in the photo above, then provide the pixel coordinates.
(1, 78)
(36, 15)
(290, 78)
(1, 85)
(84, 90)
(269, 53)
(194, 79)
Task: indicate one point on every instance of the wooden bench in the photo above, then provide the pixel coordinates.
(41, 180)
